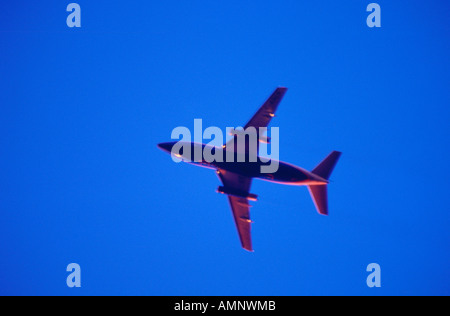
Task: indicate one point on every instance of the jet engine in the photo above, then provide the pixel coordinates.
(237, 193)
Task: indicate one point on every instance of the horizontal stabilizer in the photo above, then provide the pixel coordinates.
(319, 196)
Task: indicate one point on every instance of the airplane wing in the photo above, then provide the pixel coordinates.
(265, 113)
(263, 116)
(239, 205)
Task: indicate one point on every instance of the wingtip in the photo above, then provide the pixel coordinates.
(248, 248)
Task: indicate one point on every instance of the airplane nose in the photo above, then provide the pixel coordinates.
(167, 147)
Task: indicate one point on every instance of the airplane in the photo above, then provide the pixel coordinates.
(237, 177)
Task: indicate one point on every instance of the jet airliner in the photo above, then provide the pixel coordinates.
(237, 176)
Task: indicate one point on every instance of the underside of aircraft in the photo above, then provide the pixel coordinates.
(237, 176)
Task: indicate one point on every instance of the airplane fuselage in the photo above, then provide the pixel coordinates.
(285, 174)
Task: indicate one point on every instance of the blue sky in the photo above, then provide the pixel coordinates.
(83, 181)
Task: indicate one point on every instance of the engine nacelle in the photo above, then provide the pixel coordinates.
(237, 193)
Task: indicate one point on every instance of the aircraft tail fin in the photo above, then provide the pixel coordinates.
(325, 168)
(319, 192)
